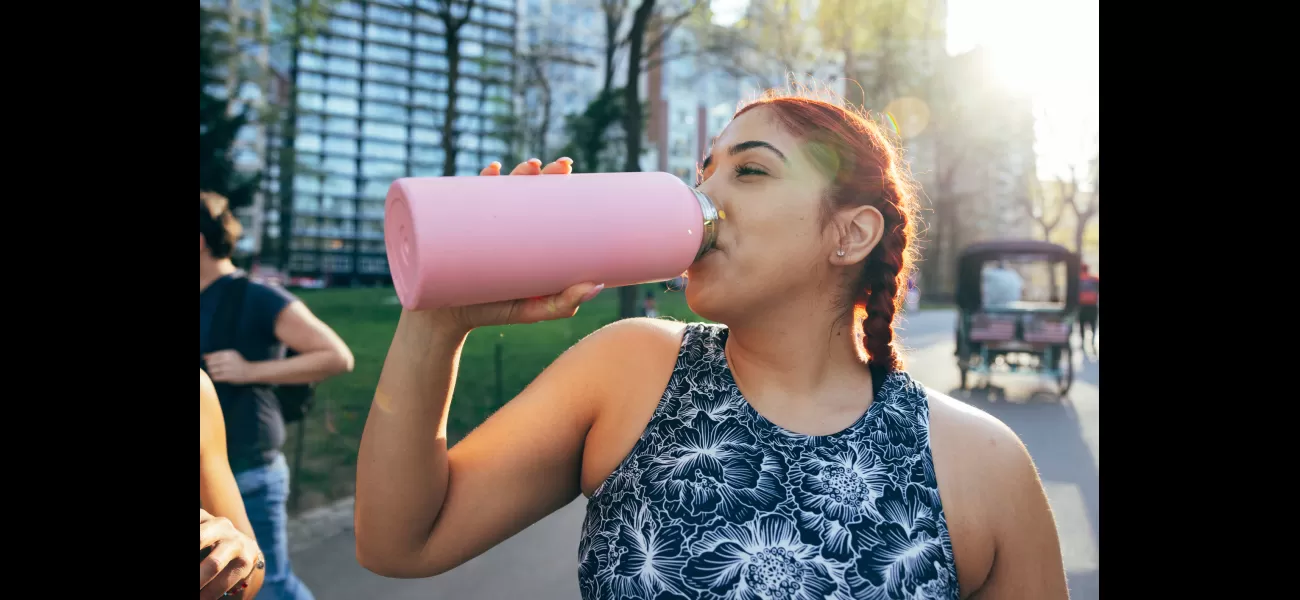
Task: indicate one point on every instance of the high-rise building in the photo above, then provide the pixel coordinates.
(370, 94)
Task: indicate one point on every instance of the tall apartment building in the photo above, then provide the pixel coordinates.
(370, 93)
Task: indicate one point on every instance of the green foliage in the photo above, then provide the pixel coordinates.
(217, 127)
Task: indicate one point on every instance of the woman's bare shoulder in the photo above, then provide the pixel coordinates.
(974, 446)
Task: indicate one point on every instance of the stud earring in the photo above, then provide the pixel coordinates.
(839, 252)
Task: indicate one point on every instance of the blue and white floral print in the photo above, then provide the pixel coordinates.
(716, 502)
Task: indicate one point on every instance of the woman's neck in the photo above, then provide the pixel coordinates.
(210, 271)
(807, 356)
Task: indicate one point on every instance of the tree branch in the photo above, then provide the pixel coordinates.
(669, 26)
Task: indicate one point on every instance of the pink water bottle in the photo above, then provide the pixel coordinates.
(456, 241)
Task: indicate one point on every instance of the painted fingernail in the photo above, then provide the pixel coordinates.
(592, 294)
(494, 165)
(536, 161)
(564, 159)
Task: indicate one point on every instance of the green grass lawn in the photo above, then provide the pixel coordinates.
(365, 318)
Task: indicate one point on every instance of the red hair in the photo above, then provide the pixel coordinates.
(865, 169)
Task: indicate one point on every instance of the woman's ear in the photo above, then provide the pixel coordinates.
(861, 228)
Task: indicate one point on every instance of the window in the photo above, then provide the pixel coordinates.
(425, 22)
(387, 53)
(310, 100)
(307, 142)
(427, 79)
(497, 36)
(467, 85)
(383, 13)
(311, 81)
(390, 93)
(338, 185)
(425, 60)
(341, 146)
(379, 110)
(350, 9)
(386, 73)
(422, 135)
(470, 49)
(305, 202)
(346, 87)
(375, 188)
(467, 104)
(427, 155)
(345, 27)
(374, 208)
(384, 131)
(341, 125)
(346, 67)
(425, 41)
(382, 169)
(340, 105)
(306, 184)
(307, 60)
(373, 149)
(303, 263)
(338, 206)
(340, 166)
(424, 116)
(338, 263)
(430, 99)
(373, 264)
(344, 46)
(381, 33)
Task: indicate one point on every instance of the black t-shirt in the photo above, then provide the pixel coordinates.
(254, 425)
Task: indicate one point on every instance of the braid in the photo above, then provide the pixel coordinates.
(882, 276)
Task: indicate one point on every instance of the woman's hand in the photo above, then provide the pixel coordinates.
(526, 310)
(227, 558)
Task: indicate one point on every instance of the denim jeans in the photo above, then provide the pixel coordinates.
(265, 491)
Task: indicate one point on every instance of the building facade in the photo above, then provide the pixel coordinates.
(370, 94)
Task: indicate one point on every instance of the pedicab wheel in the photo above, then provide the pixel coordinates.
(1066, 371)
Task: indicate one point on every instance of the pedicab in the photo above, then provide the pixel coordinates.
(1017, 301)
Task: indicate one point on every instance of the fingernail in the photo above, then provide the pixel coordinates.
(536, 161)
(592, 294)
(564, 159)
(494, 165)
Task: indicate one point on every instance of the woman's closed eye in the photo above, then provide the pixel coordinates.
(743, 170)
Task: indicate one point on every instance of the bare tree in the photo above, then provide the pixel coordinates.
(1087, 205)
(453, 14)
(615, 11)
(639, 49)
(1046, 203)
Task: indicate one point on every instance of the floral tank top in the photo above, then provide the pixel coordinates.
(716, 502)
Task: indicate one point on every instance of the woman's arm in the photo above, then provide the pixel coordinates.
(1027, 560)
(422, 510)
(321, 353)
(218, 492)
